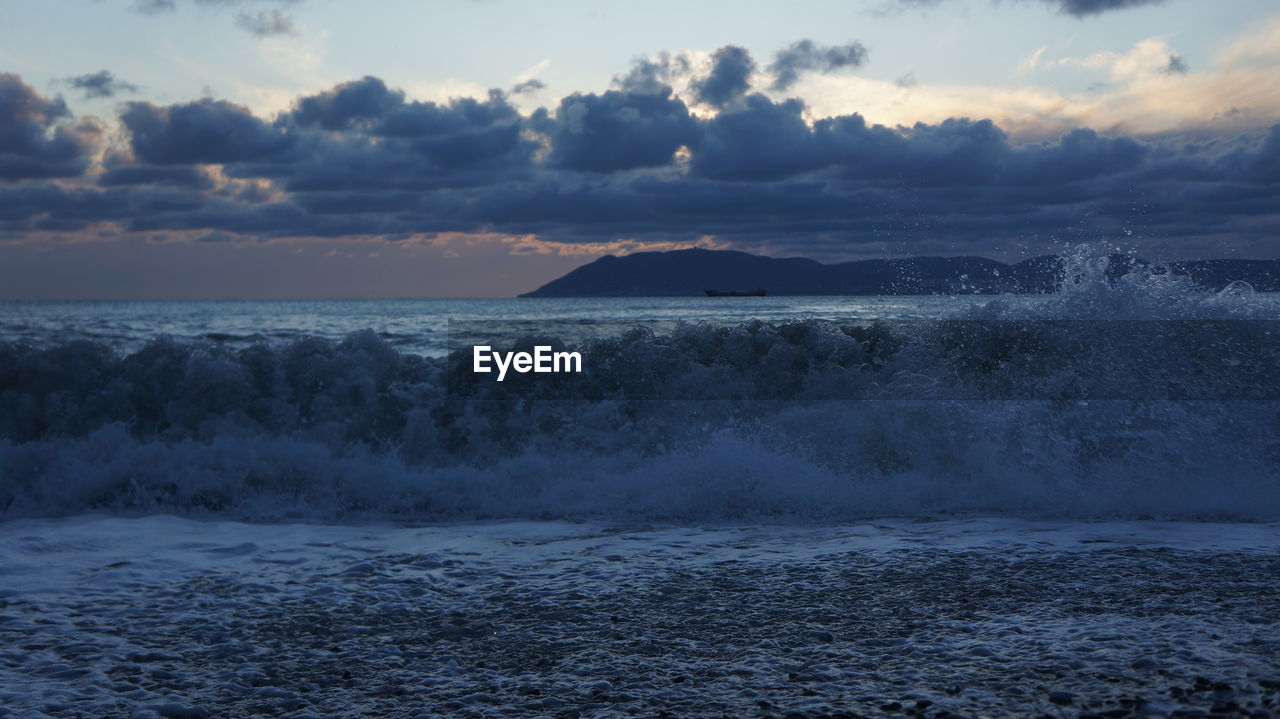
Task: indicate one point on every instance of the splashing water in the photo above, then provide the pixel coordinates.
(986, 421)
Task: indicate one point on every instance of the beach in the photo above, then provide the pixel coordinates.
(170, 617)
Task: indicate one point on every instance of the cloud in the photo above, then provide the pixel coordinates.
(892, 7)
(1264, 166)
(531, 245)
(101, 84)
(203, 131)
(764, 140)
(730, 77)
(1085, 8)
(120, 171)
(1077, 156)
(359, 102)
(656, 75)
(1146, 90)
(362, 160)
(418, 144)
(1147, 58)
(1031, 62)
(528, 87)
(266, 23)
(805, 56)
(38, 138)
(620, 130)
(1075, 8)
(261, 23)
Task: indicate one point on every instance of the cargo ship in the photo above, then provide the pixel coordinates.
(757, 292)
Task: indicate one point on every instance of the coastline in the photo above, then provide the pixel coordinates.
(1003, 617)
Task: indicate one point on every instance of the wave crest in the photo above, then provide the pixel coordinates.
(322, 429)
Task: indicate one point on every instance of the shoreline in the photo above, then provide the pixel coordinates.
(1001, 617)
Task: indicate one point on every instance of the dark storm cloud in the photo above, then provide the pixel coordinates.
(375, 138)
(764, 140)
(203, 131)
(1264, 165)
(957, 152)
(28, 207)
(100, 84)
(359, 102)
(120, 171)
(37, 137)
(769, 141)
(620, 130)
(806, 56)
(654, 76)
(362, 159)
(471, 158)
(1078, 155)
(730, 77)
(459, 117)
(463, 132)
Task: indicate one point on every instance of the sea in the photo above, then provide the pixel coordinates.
(421, 326)
(753, 506)
(1143, 397)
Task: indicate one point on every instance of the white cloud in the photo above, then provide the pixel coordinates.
(534, 70)
(1144, 60)
(1031, 62)
(1239, 90)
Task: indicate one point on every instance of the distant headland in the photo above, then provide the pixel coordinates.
(688, 273)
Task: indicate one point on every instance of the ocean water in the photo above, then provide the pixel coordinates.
(421, 326)
(711, 409)
(817, 507)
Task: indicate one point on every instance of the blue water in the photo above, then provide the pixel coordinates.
(342, 410)
(420, 326)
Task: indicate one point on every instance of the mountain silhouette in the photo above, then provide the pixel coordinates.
(681, 273)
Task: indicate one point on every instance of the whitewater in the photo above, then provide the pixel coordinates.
(793, 507)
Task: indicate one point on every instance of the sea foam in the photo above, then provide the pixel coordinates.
(1012, 408)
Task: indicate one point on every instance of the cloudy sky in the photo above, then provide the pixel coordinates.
(325, 148)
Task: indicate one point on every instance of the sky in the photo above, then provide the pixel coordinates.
(454, 148)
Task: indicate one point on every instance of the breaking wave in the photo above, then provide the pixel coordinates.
(990, 421)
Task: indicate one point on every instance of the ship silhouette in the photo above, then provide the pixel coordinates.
(757, 292)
